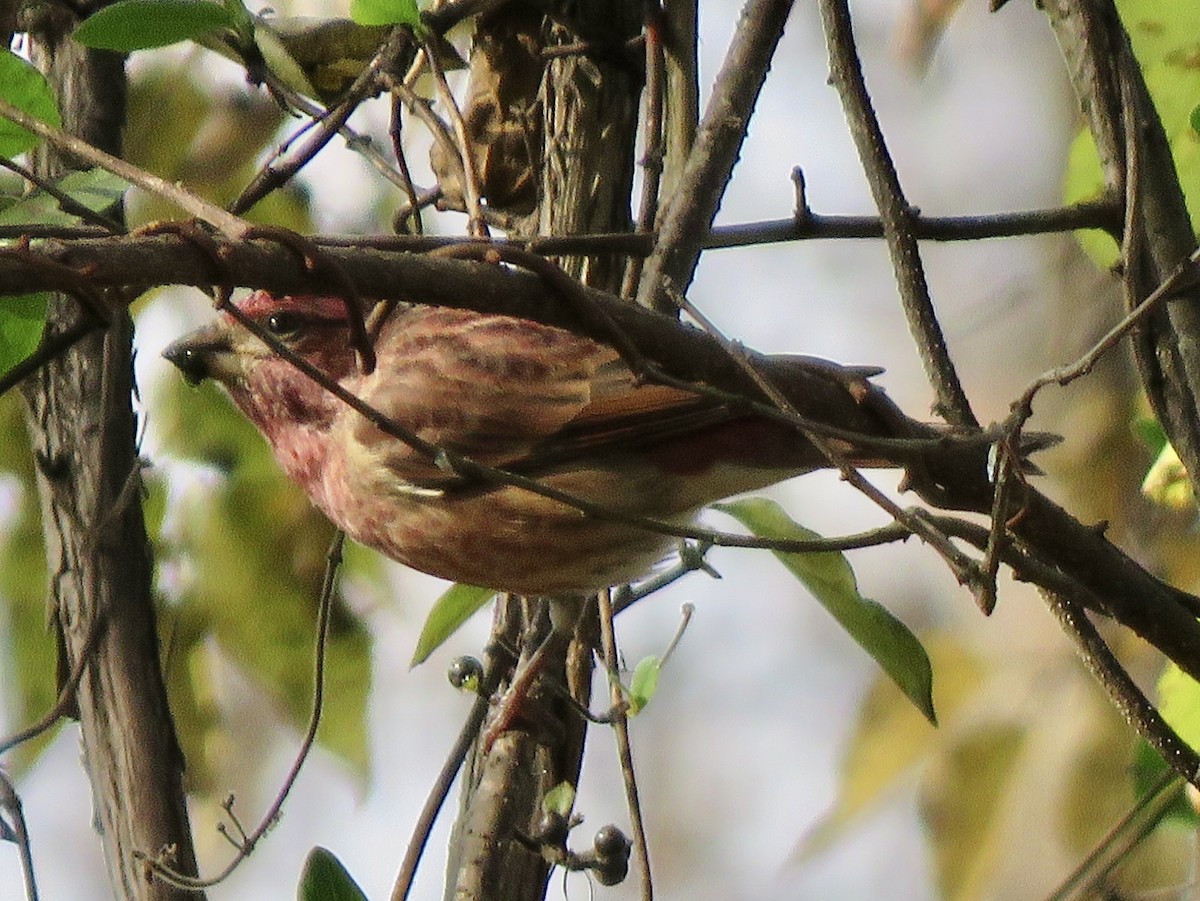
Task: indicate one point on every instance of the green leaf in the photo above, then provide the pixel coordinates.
(22, 319)
(254, 553)
(325, 879)
(142, 24)
(25, 88)
(1148, 769)
(1179, 703)
(386, 12)
(831, 580)
(1150, 432)
(964, 808)
(1166, 42)
(26, 644)
(280, 60)
(94, 189)
(559, 799)
(644, 683)
(1167, 483)
(891, 740)
(449, 612)
(243, 21)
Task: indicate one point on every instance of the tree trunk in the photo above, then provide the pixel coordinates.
(558, 157)
(83, 431)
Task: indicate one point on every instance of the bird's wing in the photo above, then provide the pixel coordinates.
(515, 394)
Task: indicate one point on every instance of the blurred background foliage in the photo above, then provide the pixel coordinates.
(1030, 766)
(242, 560)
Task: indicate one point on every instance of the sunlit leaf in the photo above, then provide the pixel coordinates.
(130, 25)
(963, 808)
(25, 88)
(22, 320)
(324, 878)
(644, 683)
(29, 687)
(386, 12)
(1167, 482)
(1166, 42)
(94, 189)
(280, 61)
(831, 580)
(559, 799)
(891, 739)
(450, 611)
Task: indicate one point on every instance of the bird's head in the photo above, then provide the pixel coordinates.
(267, 388)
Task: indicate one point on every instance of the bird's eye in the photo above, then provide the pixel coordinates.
(285, 325)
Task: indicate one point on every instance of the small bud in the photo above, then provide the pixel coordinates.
(465, 673)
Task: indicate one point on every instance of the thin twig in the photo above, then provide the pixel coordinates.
(1067, 599)
(51, 348)
(1125, 694)
(1121, 839)
(66, 694)
(437, 797)
(620, 722)
(66, 202)
(1182, 277)
(419, 107)
(270, 177)
(229, 225)
(963, 567)
(897, 216)
(1098, 214)
(10, 803)
(476, 223)
(356, 142)
(652, 132)
(395, 127)
(250, 841)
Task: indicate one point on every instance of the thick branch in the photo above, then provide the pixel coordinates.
(1137, 164)
(953, 477)
(83, 431)
(688, 214)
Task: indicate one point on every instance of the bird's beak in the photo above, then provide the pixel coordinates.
(204, 353)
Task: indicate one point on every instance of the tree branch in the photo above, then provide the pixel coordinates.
(689, 213)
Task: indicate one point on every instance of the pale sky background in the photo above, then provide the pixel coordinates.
(737, 755)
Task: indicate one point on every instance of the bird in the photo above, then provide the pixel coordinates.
(549, 407)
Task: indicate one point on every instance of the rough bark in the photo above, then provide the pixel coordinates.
(1137, 164)
(577, 122)
(83, 430)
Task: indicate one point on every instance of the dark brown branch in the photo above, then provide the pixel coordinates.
(1098, 214)
(897, 216)
(1136, 159)
(956, 480)
(689, 214)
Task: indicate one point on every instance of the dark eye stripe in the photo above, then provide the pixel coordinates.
(292, 324)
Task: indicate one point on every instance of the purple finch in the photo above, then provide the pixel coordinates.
(532, 399)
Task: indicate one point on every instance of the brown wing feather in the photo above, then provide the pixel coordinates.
(513, 394)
